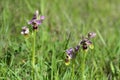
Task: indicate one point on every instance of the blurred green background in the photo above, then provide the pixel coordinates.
(63, 18)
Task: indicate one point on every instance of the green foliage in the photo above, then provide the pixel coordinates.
(63, 18)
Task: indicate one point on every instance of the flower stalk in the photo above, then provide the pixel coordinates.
(33, 49)
(73, 72)
(82, 66)
(33, 54)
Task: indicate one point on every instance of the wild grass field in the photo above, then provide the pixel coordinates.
(64, 24)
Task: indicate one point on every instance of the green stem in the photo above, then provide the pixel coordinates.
(73, 72)
(82, 66)
(33, 54)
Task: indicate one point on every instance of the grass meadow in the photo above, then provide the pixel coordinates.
(65, 22)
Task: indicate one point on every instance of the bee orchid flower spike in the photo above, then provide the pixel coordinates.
(84, 45)
(36, 20)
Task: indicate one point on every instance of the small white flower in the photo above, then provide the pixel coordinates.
(25, 30)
